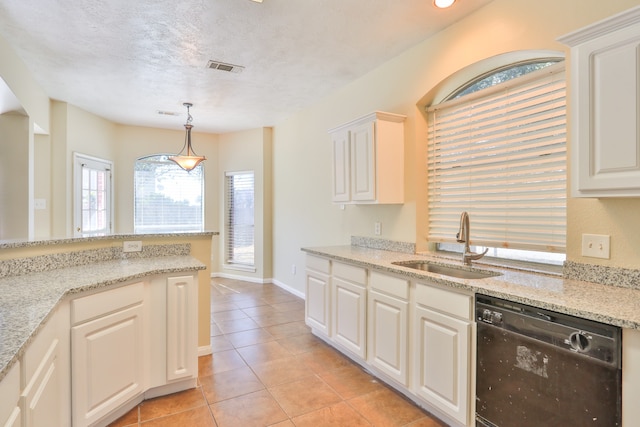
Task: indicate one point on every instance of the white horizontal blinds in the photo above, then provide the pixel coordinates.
(168, 199)
(500, 154)
(240, 218)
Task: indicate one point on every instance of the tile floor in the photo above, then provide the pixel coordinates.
(267, 369)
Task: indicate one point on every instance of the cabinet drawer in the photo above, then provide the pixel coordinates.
(350, 272)
(390, 285)
(39, 347)
(100, 304)
(319, 264)
(453, 303)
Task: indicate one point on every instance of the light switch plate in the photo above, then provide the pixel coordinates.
(596, 245)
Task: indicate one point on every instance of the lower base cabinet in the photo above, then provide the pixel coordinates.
(388, 318)
(10, 415)
(107, 351)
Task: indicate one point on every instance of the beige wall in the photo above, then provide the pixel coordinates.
(304, 215)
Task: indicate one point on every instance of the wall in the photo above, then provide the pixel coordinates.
(304, 215)
(16, 146)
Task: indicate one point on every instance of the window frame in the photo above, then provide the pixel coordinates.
(230, 261)
(163, 158)
(451, 99)
(79, 162)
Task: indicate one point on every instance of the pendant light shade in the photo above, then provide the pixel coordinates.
(190, 159)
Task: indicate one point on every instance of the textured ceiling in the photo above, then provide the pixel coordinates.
(125, 60)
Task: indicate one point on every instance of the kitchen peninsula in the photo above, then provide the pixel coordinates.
(84, 321)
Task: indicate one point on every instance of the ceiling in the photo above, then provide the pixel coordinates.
(127, 60)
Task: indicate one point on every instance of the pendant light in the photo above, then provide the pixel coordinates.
(191, 159)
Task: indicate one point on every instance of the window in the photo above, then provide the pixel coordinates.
(92, 196)
(239, 219)
(167, 199)
(497, 149)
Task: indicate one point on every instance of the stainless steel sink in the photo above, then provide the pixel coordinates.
(446, 270)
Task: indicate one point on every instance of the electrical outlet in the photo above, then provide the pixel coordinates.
(596, 245)
(293, 269)
(132, 246)
(377, 228)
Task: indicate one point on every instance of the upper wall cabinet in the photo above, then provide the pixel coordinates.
(605, 104)
(368, 159)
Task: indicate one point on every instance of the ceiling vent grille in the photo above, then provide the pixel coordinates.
(216, 65)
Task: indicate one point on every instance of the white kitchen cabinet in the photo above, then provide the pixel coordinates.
(442, 350)
(10, 415)
(605, 104)
(318, 295)
(108, 348)
(388, 311)
(368, 160)
(349, 308)
(45, 398)
(182, 328)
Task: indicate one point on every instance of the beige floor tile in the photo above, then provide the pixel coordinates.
(200, 417)
(237, 325)
(257, 409)
(219, 362)
(263, 352)
(230, 384)
(220, 343)
(325, 359)
(250, 337)
(282, 371)
(127, 420)
(259, 310)
(221, 316)
(386, 408)
(338, 415)
(172, 403)
(303, 396)
(351, 381)
(302, 343)
(288, 329)
(289, 306)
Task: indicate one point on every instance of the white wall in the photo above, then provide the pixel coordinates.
(303, 213)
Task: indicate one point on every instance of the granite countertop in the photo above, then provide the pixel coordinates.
(614, 305)
(27, 301)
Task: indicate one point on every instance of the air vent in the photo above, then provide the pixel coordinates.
(216, 65)
(167, 113)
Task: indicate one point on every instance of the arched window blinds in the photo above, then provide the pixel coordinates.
(500, 154)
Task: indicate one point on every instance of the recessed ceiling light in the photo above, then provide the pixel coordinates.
(257, 1)
(443, 4)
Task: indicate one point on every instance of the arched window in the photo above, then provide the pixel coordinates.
(497, 149)
(168, 199)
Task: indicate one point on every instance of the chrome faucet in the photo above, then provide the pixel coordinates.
(463, 237)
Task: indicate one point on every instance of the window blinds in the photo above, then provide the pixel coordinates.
(240, 218)
(167, 198)
(500, 154)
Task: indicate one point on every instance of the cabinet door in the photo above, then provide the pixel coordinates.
(442, 362)
(40, 400)
(10, 414)
(388, 335)
(182, 326)
(363, 161)
(341, 166)
(349, 316)
(107, 368)
(317, 303)
(605, 64)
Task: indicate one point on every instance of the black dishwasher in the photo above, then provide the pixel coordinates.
(540, 368)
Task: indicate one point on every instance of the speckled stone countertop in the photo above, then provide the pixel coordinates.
(27, 301)
(614, 305)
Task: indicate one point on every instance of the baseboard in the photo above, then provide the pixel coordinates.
(204, 350)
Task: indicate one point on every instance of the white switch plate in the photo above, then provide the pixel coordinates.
(377, 228)
(132, 246)
(596, 245)
(40, 204)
